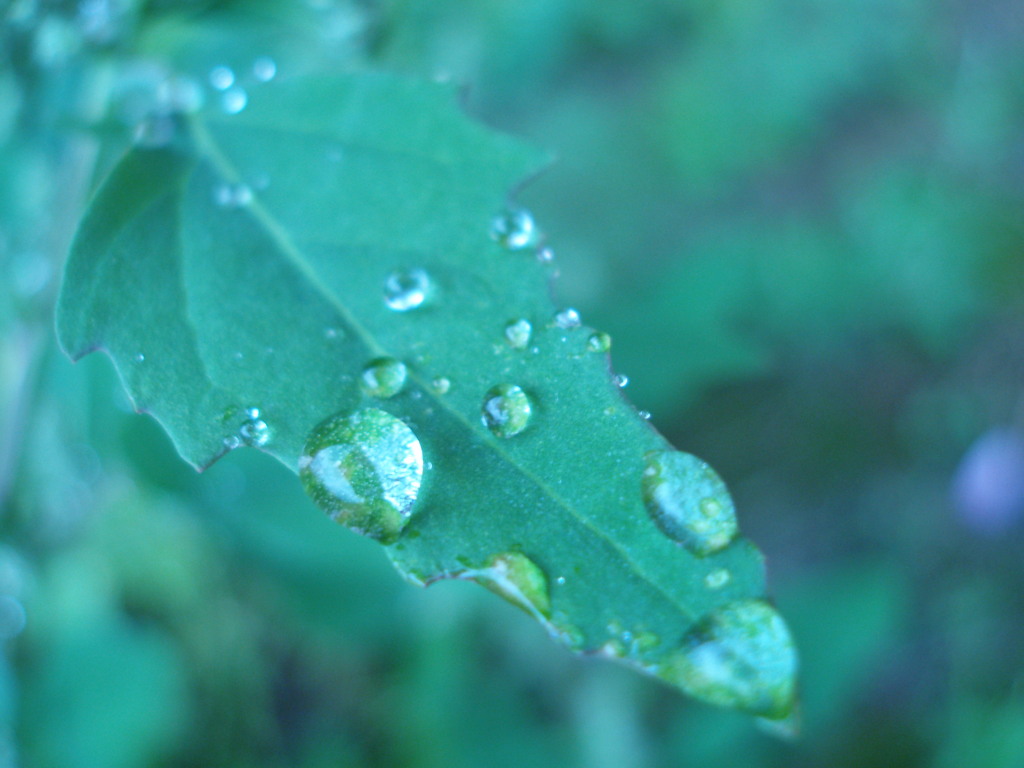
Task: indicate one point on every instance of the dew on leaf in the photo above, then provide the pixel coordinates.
(568, 318)
(545, 255)
(234, 100)
(441, 385)
(383, 377)
(645, 415)
(222, 78)
(688, 501)
(518, 579)
(406, 289)
(365, 470)
(599, 342)
(254, 431)
(620, 380)
(517, 333)
(514, 229)
(506, 410)
(717, 578)
(739, 655)
(264, 69)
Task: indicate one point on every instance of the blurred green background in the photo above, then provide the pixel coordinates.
(802, 221)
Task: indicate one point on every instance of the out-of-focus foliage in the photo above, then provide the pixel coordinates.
(803, 225)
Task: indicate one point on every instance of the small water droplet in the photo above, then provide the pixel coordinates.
(688, 501)
(222, 78)
(364, 469)
(264, 69)
(232, 441)
(139, 358)
(254, 431)
(332, 333)
(560, 581)
(441, 385)
(740, 655)
(568, 318)
(545, 255)
(518, 579)
(232, 195)
(514, 229)
(383, 377)
(506, 410)
(718, 578)
(234, 100)
(517, 333)
(620, 380)
(406, 289)
(599, 342)
(645, 415)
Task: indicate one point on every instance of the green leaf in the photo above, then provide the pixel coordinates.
(244, 276)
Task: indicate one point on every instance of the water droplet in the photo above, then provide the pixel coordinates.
(645, 415)
(441, 385)
(406, 289)
(139, 358)
(740, 655)
(333, 333)
(688, 501)
(545, 255)
(518, 579)
(506, 410)
(254, 431)
(364, 469)
(599, 342)
(222, 78)
(232, 195)
(718, 578)
(232, 441)
(620, 380)
(560, 581)
(264, 69)
(517, 333)
(234, 100)
(514, 229)
(383, 377)
(568, 318)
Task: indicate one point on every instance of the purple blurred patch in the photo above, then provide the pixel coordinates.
(988, 488)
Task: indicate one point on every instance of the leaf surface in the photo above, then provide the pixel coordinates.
(243, 266)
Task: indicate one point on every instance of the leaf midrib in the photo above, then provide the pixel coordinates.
(207, 145)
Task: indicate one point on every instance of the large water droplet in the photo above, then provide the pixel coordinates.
(517, 333)
(383, 377)
(364, 469)
(254, 431)
(740, 655)
(506, 410)
(514, 229)
(688, 501)
(406, 289)
(518, 579)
